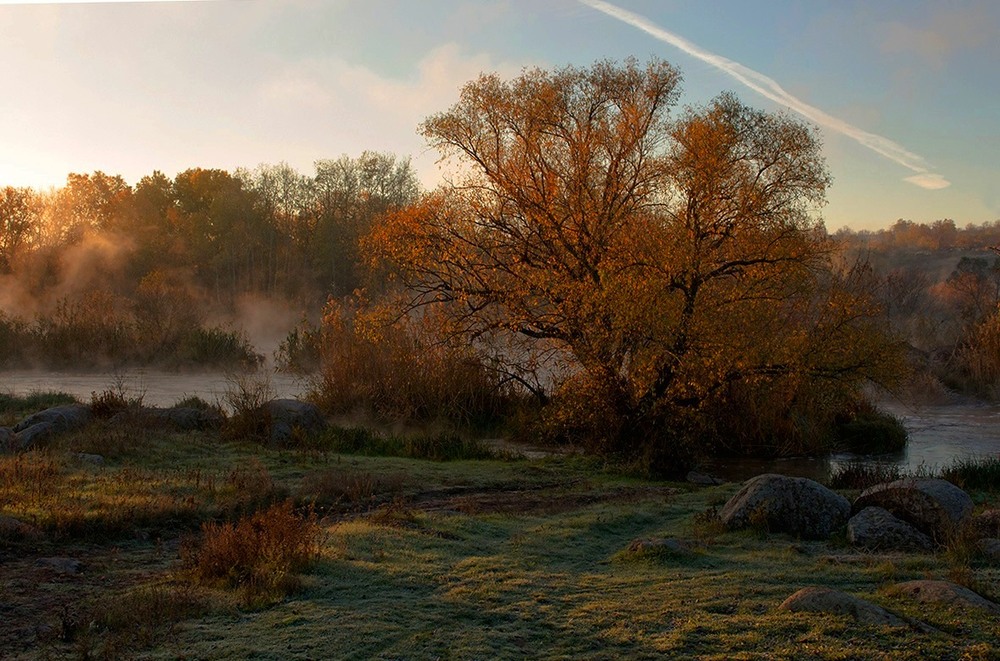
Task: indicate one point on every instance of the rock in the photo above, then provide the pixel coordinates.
(33, 435)
(660, 547)
(990, 548)
(944, 592)
(703, 479)
(795, 505)
(61, 565)
(6, 439)
(14, 529)
(62, 418)
(935, 507)
(40, 426)
(85, 458)
(291, 416)
(835, 602)
(183, 418)
(987, 523)
(876, 529)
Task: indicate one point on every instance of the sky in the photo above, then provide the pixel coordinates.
(905, 93)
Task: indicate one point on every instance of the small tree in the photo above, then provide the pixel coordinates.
(665, 267)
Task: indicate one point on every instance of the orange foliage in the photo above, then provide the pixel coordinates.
(664, 259)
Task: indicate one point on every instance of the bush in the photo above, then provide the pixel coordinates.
(259, 554)
(246, 396)
(396, 370)
(866, 430)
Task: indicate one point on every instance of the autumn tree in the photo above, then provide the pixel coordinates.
(20, 219)
(657, 270)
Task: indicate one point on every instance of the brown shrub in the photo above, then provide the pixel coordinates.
(260, 554)
(400, 369)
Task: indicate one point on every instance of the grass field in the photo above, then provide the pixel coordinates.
(422, 559)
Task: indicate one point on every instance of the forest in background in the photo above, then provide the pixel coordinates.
(170, 272)
(177, 272)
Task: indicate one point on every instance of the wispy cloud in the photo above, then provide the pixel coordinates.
(770, 89)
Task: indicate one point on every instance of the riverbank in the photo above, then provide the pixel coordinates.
(498, 558)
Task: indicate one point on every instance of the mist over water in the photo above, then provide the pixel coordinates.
(158, 388)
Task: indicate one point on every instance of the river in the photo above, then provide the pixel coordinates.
(939, 434)
(157, 388)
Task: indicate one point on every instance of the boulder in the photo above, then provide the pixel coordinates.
(835, 602)
(876, 529)
(15, 529)
(661, 547)
(291, 416)
(990, 548)
(62, 418)
(935, 507)
(794, 505)
(87, 458)
(704, 479)
(987, 523)
(944, 592)
(34, 435)
(182, 418)
(7, 439)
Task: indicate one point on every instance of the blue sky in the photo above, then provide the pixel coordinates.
(131, 87)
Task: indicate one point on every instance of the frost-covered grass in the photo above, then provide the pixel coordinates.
(423, 559)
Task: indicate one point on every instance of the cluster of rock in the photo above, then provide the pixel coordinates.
(918, 514)
(287, 417)
(40, 426)
(908, 515)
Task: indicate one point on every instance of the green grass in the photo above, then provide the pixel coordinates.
(426, 559)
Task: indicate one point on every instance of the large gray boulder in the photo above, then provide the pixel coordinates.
(36, 434)
(182, 418)
(291, 416)
(835, 602)
(944, 592)
(935, 507)
(7, 439)
(62, 418)
(40, 426)
(990, 548)
(876, 529)
(794, 505)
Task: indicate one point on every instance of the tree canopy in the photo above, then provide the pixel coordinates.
(656, 266)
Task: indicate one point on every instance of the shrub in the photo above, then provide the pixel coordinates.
(115, 399)
(866, 430)
(395, 369)
(217, 346)
(246, 396)
(259, 554)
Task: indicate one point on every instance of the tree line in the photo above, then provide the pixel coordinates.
(102, 271)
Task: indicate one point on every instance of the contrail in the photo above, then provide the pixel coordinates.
(769, 88)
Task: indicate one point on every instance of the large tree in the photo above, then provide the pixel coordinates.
(663, 264)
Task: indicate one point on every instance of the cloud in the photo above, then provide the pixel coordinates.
(769, 88)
